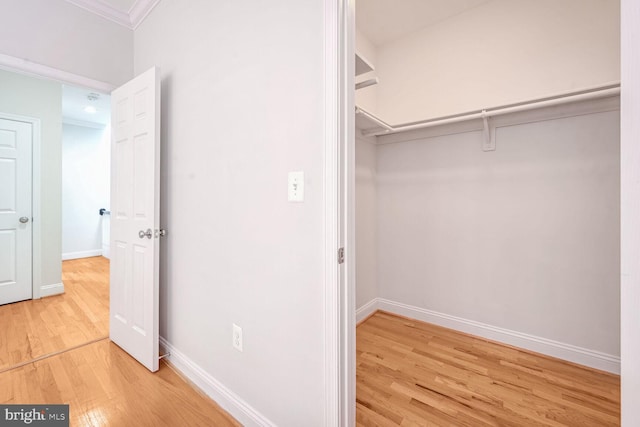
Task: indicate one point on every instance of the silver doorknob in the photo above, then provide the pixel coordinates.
(148, 234)
(24, 219)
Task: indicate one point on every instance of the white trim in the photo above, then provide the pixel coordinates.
(24, 66)
(131, 19)
(50, 290)
(36, 210)
(338, 230)
(82, 123)
(630, 213)
(348, 144)
(82, 254)
(332, 300)
(227, 399)
(367, 310)
(344, 106)
(104, 10)
(140, 10)
(36, 199)
(571, 353)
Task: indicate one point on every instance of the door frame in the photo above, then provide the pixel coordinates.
(339, 218)
(36, 229)
(629, 210)
(26, 67)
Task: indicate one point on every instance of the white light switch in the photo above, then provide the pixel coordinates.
(296, 186)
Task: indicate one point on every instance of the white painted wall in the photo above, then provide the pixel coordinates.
(525, 238)
(85, 189)
(630, 200)
(61, 35)
(42, 99)
(502, 52)
(366, 221)
(243, 106)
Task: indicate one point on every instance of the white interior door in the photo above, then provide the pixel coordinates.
(16, 141)
(135, 217)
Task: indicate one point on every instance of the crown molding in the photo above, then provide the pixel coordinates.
(140, 10)
(130, 19)
(24, 66)
(105, 10)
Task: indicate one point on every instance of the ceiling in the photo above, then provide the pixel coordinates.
(383, 21)
(74, 101)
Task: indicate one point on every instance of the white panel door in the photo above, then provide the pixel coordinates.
(135, 217)
(16, 140)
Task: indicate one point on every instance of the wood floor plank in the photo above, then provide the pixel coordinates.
(414, 373)
(38, 327)
(104, 386)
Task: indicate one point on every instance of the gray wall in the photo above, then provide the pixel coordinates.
(524, 238)
(42, 99)
(85, 188)
(366, 221)
(243, 106)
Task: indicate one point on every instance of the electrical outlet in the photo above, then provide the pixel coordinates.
(237, 337)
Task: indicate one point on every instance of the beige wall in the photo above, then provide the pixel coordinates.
(61, 35)
(367, 98)
(42, 99)
(502, 52)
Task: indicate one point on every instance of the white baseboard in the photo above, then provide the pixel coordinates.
(366, 310)
(82, 254)
(50, 290)
(571, 353)
(227, 399)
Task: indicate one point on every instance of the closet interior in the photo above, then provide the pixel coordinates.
(487, 189)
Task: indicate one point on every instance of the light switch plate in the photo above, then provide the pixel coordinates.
(296, 186)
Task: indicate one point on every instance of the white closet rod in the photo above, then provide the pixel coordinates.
(601, 92)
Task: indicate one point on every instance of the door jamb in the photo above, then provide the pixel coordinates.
(36, 229)
(339, 280)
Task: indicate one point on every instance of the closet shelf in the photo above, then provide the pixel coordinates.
(370, 125)
(362, 65)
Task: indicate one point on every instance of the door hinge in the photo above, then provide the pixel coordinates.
(341, 256)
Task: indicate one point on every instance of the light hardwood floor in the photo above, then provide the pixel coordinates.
(102, 384)
(411, 373)
(38, 327)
